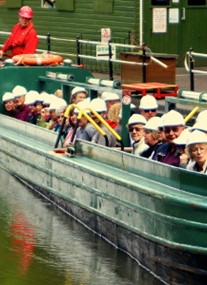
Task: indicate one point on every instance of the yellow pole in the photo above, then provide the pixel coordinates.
(188, 117)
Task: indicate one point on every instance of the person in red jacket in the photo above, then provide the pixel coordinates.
(23, 38)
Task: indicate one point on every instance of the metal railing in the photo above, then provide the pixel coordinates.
(85, 52)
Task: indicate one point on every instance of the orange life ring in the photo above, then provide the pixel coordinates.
(37, 59)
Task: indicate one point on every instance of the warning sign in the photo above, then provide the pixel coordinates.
(105, 35)
(126, 100)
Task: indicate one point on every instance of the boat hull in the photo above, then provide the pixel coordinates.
(161, 226)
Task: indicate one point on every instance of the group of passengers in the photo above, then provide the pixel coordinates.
(165, 139)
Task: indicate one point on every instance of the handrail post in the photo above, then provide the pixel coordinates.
(110, 62)
(48, 43)
(78, 50)
(144, 78)
(192, 87)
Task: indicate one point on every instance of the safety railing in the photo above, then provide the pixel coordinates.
(80, 53)
(189, 63)
(83, 112)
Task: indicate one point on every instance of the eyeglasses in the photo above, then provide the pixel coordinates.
(168, 130)
(150, 110)
(136, 129)
(160, 129)
(60, 117)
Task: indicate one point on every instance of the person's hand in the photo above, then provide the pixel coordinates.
(1, 53)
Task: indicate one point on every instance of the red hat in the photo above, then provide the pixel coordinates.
(26, 12)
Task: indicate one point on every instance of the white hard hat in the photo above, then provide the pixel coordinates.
(173, 118)
(110, 96)
(8, 96)
(19, 91)
(197, 137)
(83, 105)
(183, 137)
(137, 119)
(153, 124)
(202, 116)
(148, 102)
(200, 125)
(30, 98)
(46, 98)
(77, 90)
(98, 105)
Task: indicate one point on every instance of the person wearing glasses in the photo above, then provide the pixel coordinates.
(135, 126)
(148, 107)
(173, 126)
(23, 38)
(197, 150)
(151, 136)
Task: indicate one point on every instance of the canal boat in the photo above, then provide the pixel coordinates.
(153, 212)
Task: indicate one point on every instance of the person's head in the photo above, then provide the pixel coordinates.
(30, 100)
(197, 147)
(200, 125)
(82, 105)
(72, 118)
(114, 111)
(182, 140)
(110, 99)
(60, 117)
(148, 106)
(173, 125)
(78, 94)
(9, 101)
(99, 106)
(151, 131)
(25, 16)
(135, 126)
(19, 93)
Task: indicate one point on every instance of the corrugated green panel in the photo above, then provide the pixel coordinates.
(65, 5)
(13, 3)
(103, 6)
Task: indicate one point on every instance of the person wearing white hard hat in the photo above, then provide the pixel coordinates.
(148, 107)
(22, 109)
(30, 100)
(202, 116)
(85, 130)
(9, 104)
(78, 94)
(181, 143)
(151, 136)
(135, 126)
(23, 38)
(110, 99)
(200, 125)
(197, 150)
(57, 105)
(99, 106)
(173, 125)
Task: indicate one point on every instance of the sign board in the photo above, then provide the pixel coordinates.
(102, 52)
(105, 35)
(159, 20)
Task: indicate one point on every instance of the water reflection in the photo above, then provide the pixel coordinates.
(41, 245)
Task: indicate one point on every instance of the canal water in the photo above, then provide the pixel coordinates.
(40, 245)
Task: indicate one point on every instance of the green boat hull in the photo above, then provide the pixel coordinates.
(160, 221)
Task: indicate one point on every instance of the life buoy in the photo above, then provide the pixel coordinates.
(37, 59)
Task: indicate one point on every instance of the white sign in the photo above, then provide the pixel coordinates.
(159, 20)
(105, 35)
(102, 52)
(173, 15)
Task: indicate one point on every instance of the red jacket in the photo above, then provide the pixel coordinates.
(21, 40)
